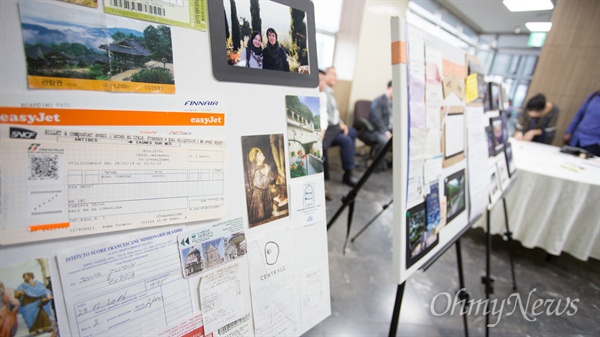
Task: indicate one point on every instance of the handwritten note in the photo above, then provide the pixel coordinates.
(453, 85)
(128, 287)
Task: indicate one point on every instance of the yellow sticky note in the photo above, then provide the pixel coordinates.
(471, 88)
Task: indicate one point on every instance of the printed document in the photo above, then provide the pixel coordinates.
(60, 182)
(129, 287)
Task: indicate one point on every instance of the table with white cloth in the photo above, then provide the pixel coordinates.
(554, 202)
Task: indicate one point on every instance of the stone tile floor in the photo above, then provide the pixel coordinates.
(363, 289)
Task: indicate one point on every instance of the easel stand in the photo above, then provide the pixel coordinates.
(463, 295)
(487, 280)
(348, 199)
(371, 221)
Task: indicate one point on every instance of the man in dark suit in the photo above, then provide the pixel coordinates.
(381, 120)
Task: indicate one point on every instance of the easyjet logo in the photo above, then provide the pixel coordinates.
(40, 117)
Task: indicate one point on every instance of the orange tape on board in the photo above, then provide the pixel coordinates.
(399, 52)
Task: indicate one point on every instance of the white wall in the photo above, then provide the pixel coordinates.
(373, 68)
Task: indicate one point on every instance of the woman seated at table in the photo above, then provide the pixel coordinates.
(537, 123)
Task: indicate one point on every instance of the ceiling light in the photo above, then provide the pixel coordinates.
(528, 5)
(539, 26)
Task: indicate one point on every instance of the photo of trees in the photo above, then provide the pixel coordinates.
(455, 194)
(290, 24)
(61, 42)
(304, 135)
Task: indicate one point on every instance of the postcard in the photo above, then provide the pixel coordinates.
(305, 146)
(265, 178)
(129, 286)
(27, 299)
(88, 3)
(455, 185)
(212, 246)
(419, 240)
(80, 182)
(71, 48)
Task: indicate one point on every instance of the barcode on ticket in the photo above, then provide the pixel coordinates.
(139, 7)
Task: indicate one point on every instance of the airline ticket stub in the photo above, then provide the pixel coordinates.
(58, 182)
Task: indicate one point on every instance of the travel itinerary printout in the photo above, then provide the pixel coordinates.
(129, 287)
(59, 182)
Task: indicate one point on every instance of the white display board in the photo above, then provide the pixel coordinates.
(430, 142)
(140, 201)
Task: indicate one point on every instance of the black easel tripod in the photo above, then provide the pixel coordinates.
(488, 280)
(462, 294)
(348, 199)
(371, 221)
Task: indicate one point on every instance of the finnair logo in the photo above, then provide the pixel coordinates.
(201, 103)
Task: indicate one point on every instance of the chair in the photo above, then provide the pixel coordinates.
(362, 110)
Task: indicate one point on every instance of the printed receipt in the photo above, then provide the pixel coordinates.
(131, 287)
(61, 182)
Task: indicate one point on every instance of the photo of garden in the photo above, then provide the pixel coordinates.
(64, 43)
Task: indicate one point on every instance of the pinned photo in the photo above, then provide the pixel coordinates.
(498, 134)
(455, 194)
(419, 240)
(212, 246)
(27, 299)
(265, 178)
(305, 143)
(264, 41)
(69, 48)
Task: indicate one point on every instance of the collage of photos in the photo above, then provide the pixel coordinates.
(304, 135)
(265, 178)
(70, 48)
(419, 239)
